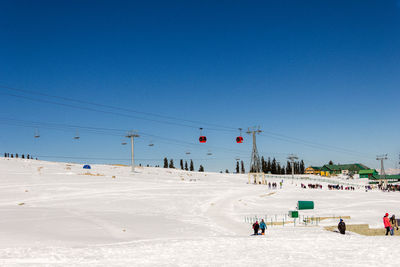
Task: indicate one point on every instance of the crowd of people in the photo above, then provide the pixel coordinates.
(275, 185)
(340, 187)
(8, 155)
(312, 186)
(389, 188)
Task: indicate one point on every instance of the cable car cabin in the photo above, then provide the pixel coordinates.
(202, 139)
(239, 139)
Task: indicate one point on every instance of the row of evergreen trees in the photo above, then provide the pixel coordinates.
(170, 164)
(274, 167)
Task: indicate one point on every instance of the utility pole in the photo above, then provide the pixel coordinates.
(292, 157)
(255, 163)
(132, 135)
(382, 158)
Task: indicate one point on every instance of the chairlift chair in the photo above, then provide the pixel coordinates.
(76, 137)
(37, 135)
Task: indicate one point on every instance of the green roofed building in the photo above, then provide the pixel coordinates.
(385, 178)
(368, 173)
(328, 170)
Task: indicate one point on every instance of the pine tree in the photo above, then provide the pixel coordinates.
(171, 164)
(263, 165)
(23, 156)
(288, 168)
(273, 167)
(278, 168)
(186, 166)
(237, 167)
(226, 171)
(330, 162)
(165, 163)
(181, 163)
(302, 167)
(269, 168)
(191, 166)
(201, 169)
(242, 167)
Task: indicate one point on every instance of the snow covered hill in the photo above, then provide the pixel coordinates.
(58, 214)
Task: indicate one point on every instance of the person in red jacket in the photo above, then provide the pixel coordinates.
(386, 223)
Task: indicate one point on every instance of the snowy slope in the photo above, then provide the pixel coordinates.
(57, 214)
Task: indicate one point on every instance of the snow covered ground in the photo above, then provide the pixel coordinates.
(58, 214)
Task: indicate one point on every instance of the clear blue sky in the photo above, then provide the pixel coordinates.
(325, 72)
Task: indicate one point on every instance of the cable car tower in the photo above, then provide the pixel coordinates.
(132, 135)
(255, 163)
(382, 174)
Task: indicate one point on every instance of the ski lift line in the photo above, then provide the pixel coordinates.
(80, 101)
(358, 154)
(115, 113)
(271, 133)
(100, 158)
(71, 128)
(111, 112)
(311, 143)
(107, 112)
(112, 107)
(57, 129)
(89, 129)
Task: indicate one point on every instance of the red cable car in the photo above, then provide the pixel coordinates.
(239, 139)
(202, 138)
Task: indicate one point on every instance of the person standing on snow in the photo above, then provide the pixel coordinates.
(342, 227)
(256, 226)
(394, 223)
(386, 223)
(263, 226)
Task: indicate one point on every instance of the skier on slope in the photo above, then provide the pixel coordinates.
(386, 223)
(342, 227)
(256, 226)
(263, 226)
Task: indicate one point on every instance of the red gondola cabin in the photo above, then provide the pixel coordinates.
(239, 139)
(202, 139)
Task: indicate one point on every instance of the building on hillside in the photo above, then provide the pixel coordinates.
(368, 173)
(328, 170)
(313, 170)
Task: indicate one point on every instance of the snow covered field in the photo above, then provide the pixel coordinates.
(58, 214)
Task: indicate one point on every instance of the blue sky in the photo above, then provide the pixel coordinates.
(324, 72)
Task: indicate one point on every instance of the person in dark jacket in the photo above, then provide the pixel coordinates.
(394, 223)
(256, 226)
(342, 227)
